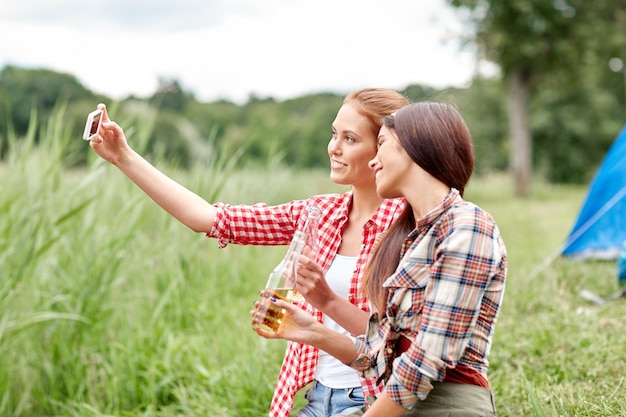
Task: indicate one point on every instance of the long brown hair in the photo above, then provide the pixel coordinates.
(385, 258)
(437, 139)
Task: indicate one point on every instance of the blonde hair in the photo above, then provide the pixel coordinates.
(374, 104)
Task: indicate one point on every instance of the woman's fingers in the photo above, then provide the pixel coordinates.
(105, 115)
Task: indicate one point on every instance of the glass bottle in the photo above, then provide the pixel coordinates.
(281, 284)
(282, 280)
(310, 231)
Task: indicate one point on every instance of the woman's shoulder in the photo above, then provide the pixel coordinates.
(330, 200)
(464, 212)
(465, 207)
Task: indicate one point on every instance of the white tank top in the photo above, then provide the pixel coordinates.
(330, 371)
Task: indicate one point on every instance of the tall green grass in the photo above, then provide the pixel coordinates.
(109, 307)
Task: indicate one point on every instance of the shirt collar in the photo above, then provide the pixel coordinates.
(435, 213)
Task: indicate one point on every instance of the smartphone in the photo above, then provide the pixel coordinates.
(94, 120)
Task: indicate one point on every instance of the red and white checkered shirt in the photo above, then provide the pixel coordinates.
(260, 224)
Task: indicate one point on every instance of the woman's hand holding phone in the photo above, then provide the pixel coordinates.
(94, 121)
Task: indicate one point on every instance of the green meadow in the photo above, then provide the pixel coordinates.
(109, 307)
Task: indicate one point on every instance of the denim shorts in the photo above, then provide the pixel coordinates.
(326, 402)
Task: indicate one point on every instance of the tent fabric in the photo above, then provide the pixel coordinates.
(600, 229)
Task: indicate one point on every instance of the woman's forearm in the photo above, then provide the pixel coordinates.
(183, 204)
(338, 345)
(347, 315)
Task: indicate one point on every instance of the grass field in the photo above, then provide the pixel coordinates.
(112, 308)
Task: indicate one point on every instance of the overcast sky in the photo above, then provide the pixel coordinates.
(233, 48)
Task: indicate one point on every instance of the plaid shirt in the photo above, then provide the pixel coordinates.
(261, 224)
(445, 297)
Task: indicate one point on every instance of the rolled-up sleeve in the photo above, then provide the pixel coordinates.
(257, 224)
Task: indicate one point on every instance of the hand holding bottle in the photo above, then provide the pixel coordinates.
(296, 324)
(280, 285)
(311, 281)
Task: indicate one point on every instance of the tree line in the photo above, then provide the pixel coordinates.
(552, 113)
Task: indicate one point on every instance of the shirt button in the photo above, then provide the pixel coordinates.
(389, 351)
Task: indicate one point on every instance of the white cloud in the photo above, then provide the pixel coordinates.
(230, 49)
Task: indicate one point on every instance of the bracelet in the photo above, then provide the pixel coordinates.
(361, 363)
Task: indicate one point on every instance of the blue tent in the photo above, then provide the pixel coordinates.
(600, 230)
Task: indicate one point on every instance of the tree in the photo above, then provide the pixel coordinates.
(171, 96)
(533, 39)
(484, 109)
